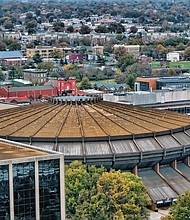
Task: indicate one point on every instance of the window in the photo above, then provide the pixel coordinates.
(24, 191)
(4, 192)
(49, 187)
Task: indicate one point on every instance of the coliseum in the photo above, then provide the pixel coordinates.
(154, 144)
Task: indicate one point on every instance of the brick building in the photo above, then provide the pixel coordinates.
(29, 91)
(67, 86)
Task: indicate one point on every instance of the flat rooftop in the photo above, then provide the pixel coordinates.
(7, 106)
(13, 151)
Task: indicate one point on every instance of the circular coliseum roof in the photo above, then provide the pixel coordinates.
(100, 130)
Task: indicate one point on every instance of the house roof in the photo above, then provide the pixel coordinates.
(30, 88)
(10, 54)
(110, 86)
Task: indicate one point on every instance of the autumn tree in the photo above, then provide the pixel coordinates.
(117, 196)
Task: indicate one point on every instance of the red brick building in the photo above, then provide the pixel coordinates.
(34, 92)
(67, 86)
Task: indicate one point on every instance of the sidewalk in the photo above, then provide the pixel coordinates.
(159, 214)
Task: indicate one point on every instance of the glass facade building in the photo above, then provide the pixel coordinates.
(32, 188)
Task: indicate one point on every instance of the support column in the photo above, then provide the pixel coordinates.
(174, 164)
(37, 197)
(62, 187)
(135, 170)
(186, 160)
(157, 168)
(11, 193)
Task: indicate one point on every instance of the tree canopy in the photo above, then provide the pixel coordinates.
(180, 210)
(92, 193)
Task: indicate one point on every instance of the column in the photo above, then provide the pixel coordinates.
(11, 193)
(37, 197)
(62, 187)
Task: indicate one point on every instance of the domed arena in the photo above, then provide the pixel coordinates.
(154, 144)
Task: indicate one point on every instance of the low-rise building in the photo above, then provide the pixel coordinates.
(130, 49)
(172, 56)
(31, 182)
(32, 92)
(36, 76)
(12, 58)
(43, 51)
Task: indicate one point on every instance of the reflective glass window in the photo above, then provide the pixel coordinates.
(49, 187)
(4, 192)
(24, 191)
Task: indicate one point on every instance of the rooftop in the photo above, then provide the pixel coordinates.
(13, 151)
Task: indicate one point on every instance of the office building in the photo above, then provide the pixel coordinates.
(31, 183)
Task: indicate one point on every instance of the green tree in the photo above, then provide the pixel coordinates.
(37, 58)
(58, 26)
(125, 61)
(187, 53)
(119, 196)
(101, 29)
(57, 54)
(78, 181)
(2, 77)
(85, 83)
(180, 210)
(70, 29)
(15, 72)
(46, 66)
(2, 46)
(131, 81)
(84, 29)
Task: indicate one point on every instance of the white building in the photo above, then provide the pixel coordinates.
(172, 56)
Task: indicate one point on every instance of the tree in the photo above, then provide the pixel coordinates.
(133, 29)
(125, 61)
(15, 72)
(58, 26)
(187, 53)
(2, 46)
(119, 196)
(85, 84)
(70, 29)
(180, 210)
(84, 29)
(78, 181)
(131, 81)
(37, 58)
(101, 29)
(57, 54)
(2, 77)
(116, 28)
(46, 66)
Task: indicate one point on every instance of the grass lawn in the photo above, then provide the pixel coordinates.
(182, 64)
(111, 81)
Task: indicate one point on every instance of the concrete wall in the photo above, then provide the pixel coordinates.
(149, 98)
